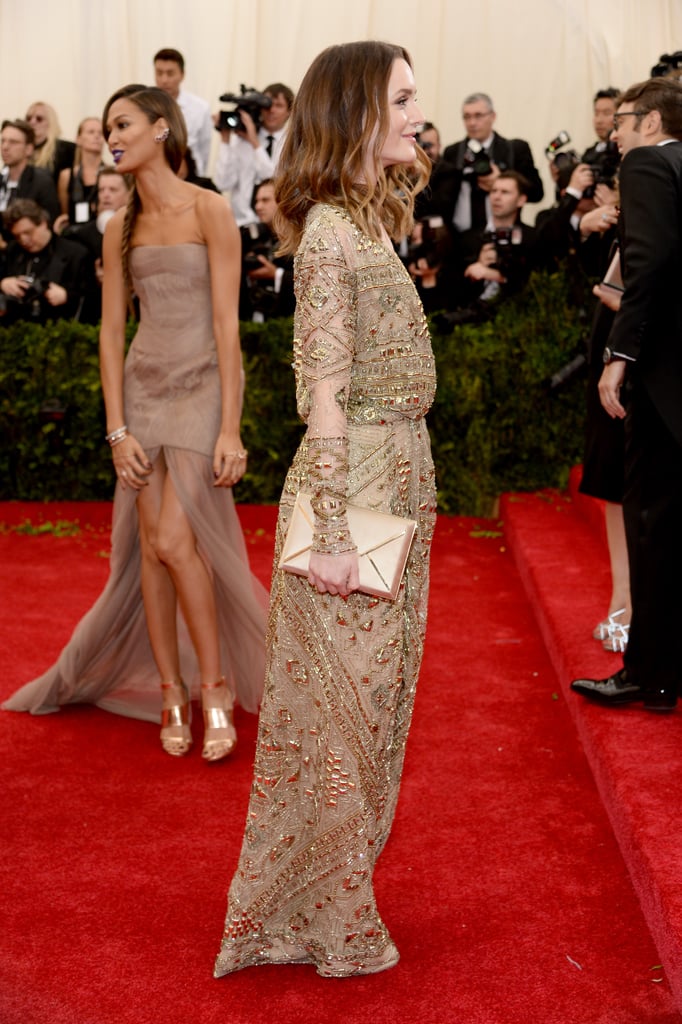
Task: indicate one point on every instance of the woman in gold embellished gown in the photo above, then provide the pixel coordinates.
(173, 408)
(342, 666)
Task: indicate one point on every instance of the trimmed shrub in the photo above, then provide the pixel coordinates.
(495, 425)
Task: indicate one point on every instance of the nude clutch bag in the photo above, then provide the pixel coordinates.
(383, 542)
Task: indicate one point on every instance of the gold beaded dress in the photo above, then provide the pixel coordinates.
(342, 672)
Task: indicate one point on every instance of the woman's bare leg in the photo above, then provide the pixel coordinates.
(618, 556)
(174, 548)
(613, 631)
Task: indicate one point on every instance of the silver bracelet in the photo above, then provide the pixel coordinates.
(117, 435)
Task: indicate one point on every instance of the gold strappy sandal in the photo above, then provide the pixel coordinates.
(176, 735)
(220, 737)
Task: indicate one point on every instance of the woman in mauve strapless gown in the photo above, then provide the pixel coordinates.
(173, 407)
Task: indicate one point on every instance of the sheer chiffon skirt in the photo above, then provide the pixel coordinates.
(108, 660)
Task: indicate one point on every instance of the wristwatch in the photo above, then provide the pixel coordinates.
(610, 356)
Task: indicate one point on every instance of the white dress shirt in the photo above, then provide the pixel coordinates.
(197, 114)
(239, 168)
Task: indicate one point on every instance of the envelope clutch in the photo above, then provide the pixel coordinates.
(383, 542)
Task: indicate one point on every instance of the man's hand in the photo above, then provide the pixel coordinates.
(486, 181)
(581, 178)
(15, 287)
(609, 388)
(55, 294)
(250, 132)
(266, 272)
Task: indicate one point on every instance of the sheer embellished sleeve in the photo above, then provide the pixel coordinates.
(324, 344)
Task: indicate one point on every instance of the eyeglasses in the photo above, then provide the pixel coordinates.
(476, 117)
(626, 113)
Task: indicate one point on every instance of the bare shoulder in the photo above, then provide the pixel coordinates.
(113, 232)
(213, 209)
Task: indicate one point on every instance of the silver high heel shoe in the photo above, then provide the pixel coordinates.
(617, 636)
(601, 630)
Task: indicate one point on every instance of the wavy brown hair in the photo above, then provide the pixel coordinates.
(338, 125)
(154, 104)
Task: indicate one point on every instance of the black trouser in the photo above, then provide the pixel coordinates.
(652, 508)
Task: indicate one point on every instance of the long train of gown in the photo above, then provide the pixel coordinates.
(342, 673)
(172, 403)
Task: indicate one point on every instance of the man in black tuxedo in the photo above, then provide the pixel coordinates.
(642, 383)
(267, 280)
(461, 183)
(19, 178)
(41, 275)
(497, 262)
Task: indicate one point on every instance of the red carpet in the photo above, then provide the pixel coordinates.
(502, 883)
(636, 757)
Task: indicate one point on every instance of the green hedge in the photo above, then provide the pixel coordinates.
(494, 425)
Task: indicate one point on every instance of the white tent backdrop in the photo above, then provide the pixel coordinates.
(540, 60)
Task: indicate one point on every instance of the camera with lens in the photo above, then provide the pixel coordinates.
(435, 243)
(35, 289)
(604, 167)
(507, 242)
(250, 100)
(477, 163)
(257, 240)
(668, 64)
(565, 163)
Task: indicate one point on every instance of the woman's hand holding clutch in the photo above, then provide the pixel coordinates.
(334, 574)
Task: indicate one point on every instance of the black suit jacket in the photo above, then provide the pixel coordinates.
(37, 184)
(648, 326)
(61, 262)
(509, 155)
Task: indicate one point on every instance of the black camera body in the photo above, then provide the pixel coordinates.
(36, 288)
(508, 245)
(257, 240)
(668, 63)
(250, 100)
(477, 163)
(435, 245)
(604, 167)
(565, 164)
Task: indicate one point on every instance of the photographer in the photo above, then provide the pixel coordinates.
(603, 157)
(462, 181)
(267, 280)
(249, 152)
(497, 262)
(561, 238)
(429, 262)
(41, 274)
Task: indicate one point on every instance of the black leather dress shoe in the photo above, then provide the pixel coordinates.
(616, 690)
(610, 691)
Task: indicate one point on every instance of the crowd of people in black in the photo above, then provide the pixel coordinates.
(57, 196)
(470, 249)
